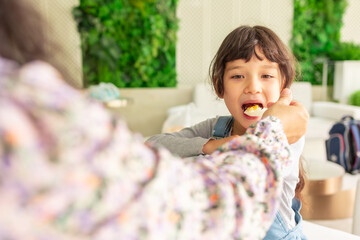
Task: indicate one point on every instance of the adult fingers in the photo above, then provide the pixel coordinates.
(285, 96)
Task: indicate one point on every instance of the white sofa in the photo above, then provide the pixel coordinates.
(323, 116)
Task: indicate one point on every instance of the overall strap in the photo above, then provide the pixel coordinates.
(223, 127)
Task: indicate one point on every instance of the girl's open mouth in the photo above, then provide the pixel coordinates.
(253, 109)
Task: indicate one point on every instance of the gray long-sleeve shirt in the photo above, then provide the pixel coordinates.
(189, 141)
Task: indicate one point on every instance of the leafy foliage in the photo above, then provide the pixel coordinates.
(130, 43)
(345, 51)
(354, 98)
(316, 32)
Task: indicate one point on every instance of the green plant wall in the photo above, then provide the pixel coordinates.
(130, 43)
(316, 33)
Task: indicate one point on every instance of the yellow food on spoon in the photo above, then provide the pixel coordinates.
(255, 111)
(253, 108)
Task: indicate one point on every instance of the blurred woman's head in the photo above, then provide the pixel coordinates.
(22, 36)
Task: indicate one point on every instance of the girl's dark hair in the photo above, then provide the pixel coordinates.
(240, 44)
(302, 180)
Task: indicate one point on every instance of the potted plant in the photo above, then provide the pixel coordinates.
(355, 98)
(346, 57)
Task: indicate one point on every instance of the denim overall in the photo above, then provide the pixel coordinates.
(278, 230)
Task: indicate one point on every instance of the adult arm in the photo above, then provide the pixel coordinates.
(70, 170)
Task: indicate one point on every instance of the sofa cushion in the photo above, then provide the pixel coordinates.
(302, 93)
(206, 100)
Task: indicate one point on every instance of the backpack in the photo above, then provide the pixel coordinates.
(343, 144)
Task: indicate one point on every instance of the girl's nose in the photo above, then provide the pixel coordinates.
(253, 86)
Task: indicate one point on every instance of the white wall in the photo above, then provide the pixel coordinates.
(205, 23)
(203, 26)
(63, 31)
(350, 32)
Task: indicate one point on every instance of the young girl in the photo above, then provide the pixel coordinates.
(249, 71)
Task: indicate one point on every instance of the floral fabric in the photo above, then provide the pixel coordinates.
(70, 170)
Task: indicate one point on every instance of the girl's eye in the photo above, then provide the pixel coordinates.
(237, 76)
(266, 76)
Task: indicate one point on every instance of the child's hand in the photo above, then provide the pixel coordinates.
(292, 115)
(213, 144)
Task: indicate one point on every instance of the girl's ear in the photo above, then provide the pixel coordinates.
(217, 92)
(282, 83)
(219, 95)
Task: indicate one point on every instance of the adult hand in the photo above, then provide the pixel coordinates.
(213, 144)
(292, 115)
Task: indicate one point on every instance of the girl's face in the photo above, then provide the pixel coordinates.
(255, 81)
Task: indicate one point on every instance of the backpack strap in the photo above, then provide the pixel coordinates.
(347, 118)
(223, 127)
(356, 146)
